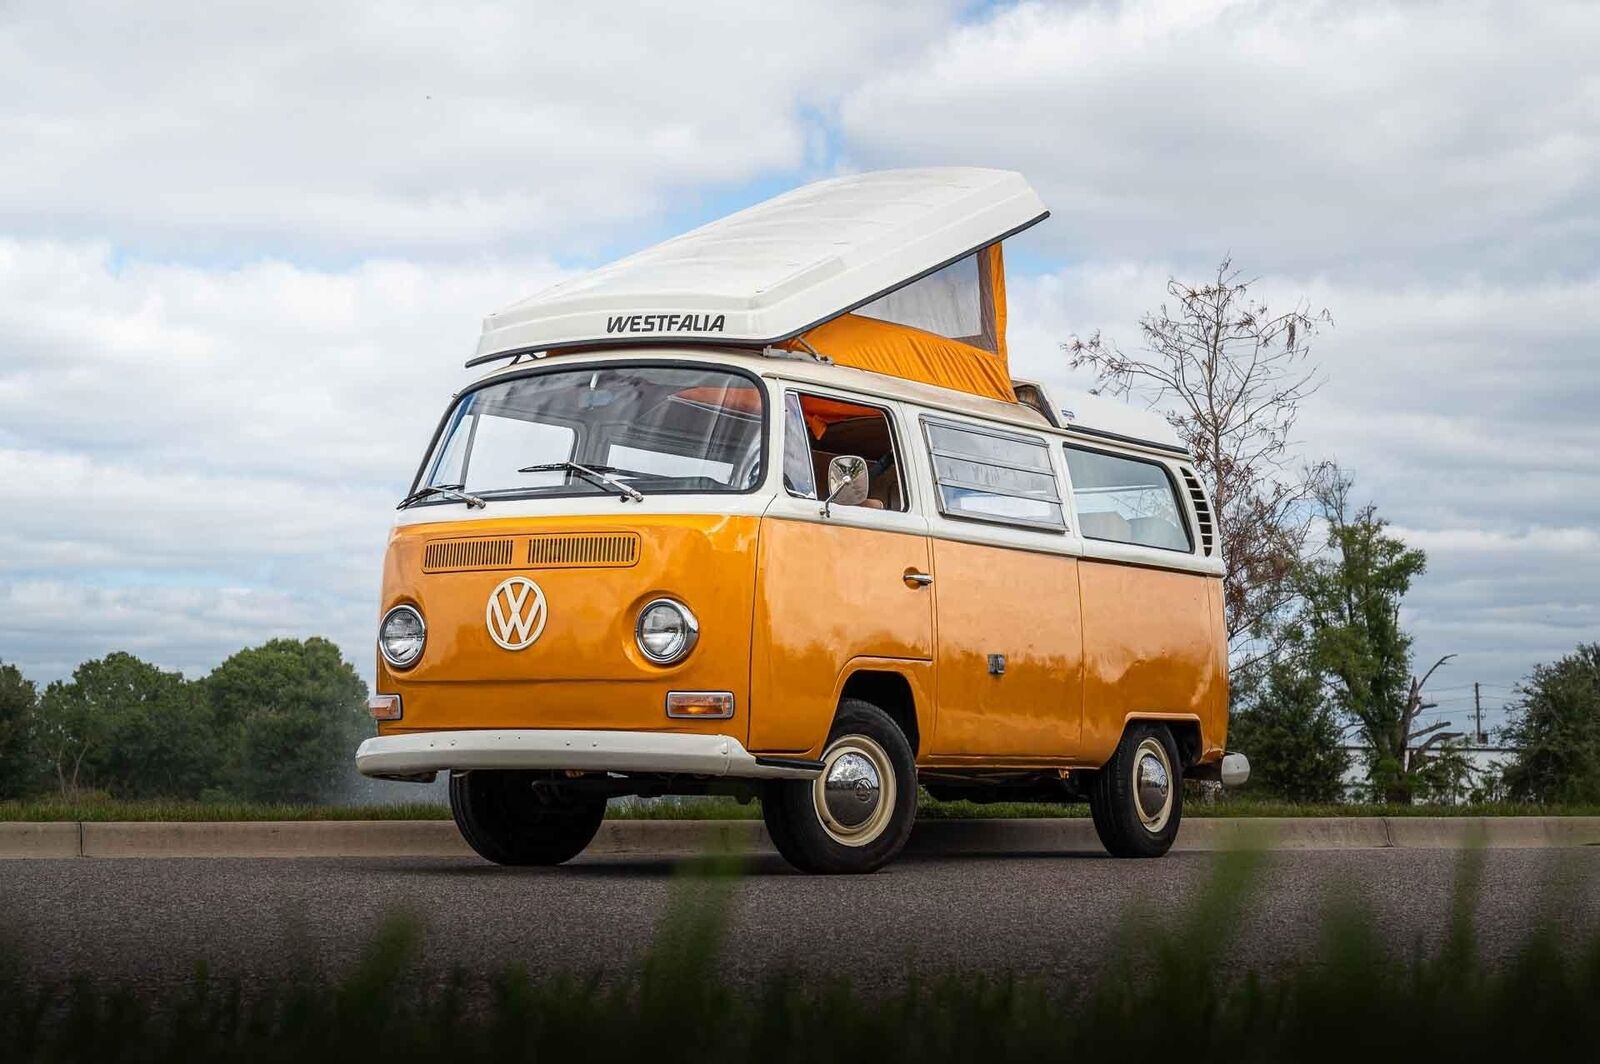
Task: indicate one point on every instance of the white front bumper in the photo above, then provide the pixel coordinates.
(423, 753)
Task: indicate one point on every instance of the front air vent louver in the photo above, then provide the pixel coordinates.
(452, 555)
(583, 550)
(1202, 512)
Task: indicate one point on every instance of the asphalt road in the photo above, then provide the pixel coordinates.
(149, 921)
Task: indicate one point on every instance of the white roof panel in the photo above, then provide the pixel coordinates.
(771, 271)
(1115, 418)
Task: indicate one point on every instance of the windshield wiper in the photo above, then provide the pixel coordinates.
(593, 476)
(449, 491)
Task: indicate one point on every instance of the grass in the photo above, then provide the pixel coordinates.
(1157, 996)
(110, 809)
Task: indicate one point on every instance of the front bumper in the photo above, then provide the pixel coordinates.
(419, 755)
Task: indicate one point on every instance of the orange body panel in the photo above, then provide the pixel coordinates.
(584, 671)
(829, 594)
(789, 609)
(1022, 604)
(1150, 649)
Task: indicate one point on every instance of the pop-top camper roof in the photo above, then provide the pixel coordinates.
(897, 271)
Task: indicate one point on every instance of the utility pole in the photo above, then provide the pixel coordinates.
(1477, 709)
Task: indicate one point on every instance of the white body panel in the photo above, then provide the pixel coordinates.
(1128, 428)
(773, 270)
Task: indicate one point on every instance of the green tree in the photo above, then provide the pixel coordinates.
(1556, 728)
(19, 699)
(293, 712)
(1350, 617)
(127, 727)
(1446, 775)
(1291, 734)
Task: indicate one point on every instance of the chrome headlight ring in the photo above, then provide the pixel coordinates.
(402, 635)
(666, 631)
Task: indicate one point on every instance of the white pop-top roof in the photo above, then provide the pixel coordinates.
(774, 270)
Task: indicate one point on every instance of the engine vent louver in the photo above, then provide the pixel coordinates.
(458, 554)
(1202, 512)
(571, 550)
(593, 550)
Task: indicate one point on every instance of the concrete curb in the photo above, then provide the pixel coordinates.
(438, 838)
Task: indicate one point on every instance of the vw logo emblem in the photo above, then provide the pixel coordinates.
(516, 613)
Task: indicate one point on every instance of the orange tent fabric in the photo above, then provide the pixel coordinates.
(914, 354)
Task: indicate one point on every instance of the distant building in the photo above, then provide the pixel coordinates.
(1485, 760)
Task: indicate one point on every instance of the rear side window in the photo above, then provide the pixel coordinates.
(1125, 500)
(991, 475)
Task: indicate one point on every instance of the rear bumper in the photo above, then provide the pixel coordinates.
(420, 755)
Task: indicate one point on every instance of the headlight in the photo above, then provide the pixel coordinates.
(666, 631)
(401, 636)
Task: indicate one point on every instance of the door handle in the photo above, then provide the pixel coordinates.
(916, 578)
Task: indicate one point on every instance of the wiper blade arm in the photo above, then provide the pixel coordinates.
(593, 476)
(449, 491)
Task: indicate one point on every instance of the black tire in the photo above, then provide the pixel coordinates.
(1125, 826)
(793, 808)
(509, 821)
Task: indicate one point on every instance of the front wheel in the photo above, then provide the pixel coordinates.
(1137, 797)
(514, 818)
(857, 814)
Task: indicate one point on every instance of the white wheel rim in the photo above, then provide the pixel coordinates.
(854, 796)
(1152, 785)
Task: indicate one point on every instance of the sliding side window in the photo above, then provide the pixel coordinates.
(1126, 500)
(991, 475)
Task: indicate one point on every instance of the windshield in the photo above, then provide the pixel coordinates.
(654, 429)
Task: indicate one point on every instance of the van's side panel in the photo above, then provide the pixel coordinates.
(1214, 727)
(1024, 605)
(828, 592)
(1149, 650)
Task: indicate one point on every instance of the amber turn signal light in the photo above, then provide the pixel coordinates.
(384, 707)
(702, 705)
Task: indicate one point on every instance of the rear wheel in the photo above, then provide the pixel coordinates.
(858, 813)
(1137, 797)
(516, 818)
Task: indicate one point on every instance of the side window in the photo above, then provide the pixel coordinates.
(818, 429)
(799, 477)
(1126, 500)
(992, 475)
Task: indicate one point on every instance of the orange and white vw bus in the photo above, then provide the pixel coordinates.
(760, 511)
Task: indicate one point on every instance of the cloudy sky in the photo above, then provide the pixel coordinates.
(244, 252)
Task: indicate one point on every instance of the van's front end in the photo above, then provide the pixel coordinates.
(567, 596)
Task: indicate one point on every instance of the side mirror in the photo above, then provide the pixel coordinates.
(847, 482)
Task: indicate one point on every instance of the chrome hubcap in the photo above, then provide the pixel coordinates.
(855, 794)
(1152, 784)
(852, 790)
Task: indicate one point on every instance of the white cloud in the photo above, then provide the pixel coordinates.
(1361, 136)
(270, 368)
(215, 129)
(48, 627)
